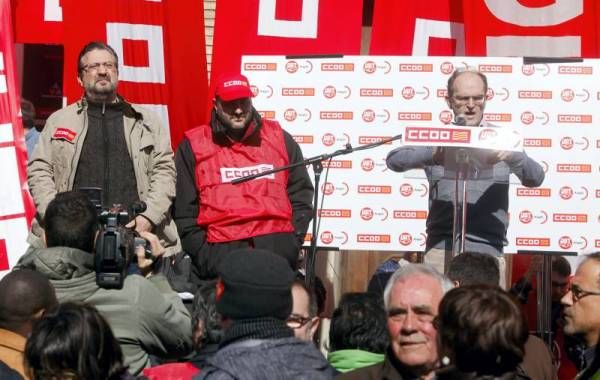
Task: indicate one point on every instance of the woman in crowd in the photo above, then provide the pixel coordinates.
(481, 333)
(74, 342)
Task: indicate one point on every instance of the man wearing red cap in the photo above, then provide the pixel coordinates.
(215, 216)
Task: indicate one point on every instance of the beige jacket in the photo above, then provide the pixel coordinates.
(53, 164)
(12, 346)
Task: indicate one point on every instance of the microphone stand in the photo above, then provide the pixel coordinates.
(459, 223)
(460, 196)
(317, 164)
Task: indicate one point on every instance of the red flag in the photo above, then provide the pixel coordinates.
(486, 28)
(17, 208)
(38, 21)
(560, 28)
(162, 61)
(292, 27)
(432, 27)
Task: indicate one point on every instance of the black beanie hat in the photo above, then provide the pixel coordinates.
(255, 283)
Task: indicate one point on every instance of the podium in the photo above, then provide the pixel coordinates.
(466, 166)
(469, 155)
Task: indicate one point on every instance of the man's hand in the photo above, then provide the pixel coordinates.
(157, 249)
(501, 155)
(438, 156)
(141, 224)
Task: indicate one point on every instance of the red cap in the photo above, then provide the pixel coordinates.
(232, 87)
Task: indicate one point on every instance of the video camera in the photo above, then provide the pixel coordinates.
(116, 244)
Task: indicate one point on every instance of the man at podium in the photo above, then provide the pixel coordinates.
(487, 198)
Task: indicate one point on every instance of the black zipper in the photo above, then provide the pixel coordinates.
(106, 187)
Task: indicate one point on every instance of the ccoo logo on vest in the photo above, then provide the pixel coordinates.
(229, 174)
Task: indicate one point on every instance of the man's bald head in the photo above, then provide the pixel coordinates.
(23, 294)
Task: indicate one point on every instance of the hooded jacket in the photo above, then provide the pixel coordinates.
(146, 316)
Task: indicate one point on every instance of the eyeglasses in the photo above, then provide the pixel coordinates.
(93, 67)
(296, 321)
(577, 293)
(462, 100)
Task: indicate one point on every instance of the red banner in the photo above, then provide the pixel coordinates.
(291, 27)
(538, 28)
(38, 21)
(433, 27)
(551, 28)
(16, 207)
(162, 60)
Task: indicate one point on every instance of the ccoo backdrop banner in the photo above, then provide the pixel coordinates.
(329, 103)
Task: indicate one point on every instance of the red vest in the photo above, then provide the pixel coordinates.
(253, 208)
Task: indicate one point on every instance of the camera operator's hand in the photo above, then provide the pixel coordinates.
(157, 249)
(141, 224)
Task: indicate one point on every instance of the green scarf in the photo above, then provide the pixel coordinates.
(348, 360)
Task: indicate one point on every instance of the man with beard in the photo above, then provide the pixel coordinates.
(215, 216)
(102, 141)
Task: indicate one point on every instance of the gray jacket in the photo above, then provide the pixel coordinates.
(274, 359)
(487, 209)
(146, 316)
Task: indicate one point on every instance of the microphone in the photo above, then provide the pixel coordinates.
(460, 120)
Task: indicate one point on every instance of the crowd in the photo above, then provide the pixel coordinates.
(72, 309)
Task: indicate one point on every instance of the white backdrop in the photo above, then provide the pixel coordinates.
(328, 103)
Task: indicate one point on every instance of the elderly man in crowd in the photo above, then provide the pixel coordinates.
(411, 298)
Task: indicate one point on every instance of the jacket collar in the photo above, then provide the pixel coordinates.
(128, 110)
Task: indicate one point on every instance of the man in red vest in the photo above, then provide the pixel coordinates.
(212, 214)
